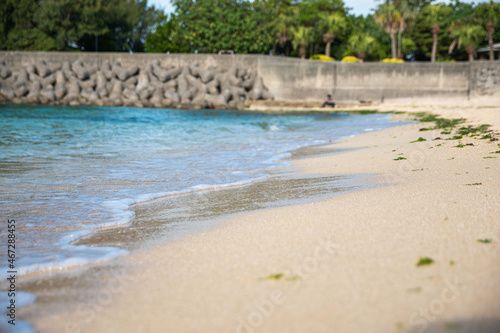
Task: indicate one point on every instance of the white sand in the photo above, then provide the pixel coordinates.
(348, 263)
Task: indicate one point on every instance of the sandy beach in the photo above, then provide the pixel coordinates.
(346, 264)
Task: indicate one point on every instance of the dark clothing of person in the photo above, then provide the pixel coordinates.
(332, 104)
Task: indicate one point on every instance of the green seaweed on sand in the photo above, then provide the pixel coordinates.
(485, 241)
(424, 261)
(486, 136)
(452, 263)
(441, 123)
(455, 137)
(420, 139)
(418, 169)
(495, 152)
(471, 130)
(446, 132)
(486, 157)
(400, 158)
(460, 145)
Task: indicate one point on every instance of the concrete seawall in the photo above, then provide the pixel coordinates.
(295, 79)
(290, 79)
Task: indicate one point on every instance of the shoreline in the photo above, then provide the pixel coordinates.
(279, 270)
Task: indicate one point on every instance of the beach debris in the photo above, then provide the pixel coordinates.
(474, 184)
(424, 261)
(150, 85)
(400, 158)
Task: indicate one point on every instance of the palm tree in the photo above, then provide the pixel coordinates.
(301, 39)
(408, 12)
(490, 14)
(432, 15)
(361, 43)
(286, 16)
(387, 16)
(333, 25)
(468, 35)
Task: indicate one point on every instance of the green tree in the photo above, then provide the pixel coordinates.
(421, 33)
(332, 25)
(65, 21)
(212, 25)
(361, 44)
(470, 36)
(117, 25)
(301, 39)
(16, 19)
(432, 15)
(29, 40)
(285, 14)
(310, 12)
(368, 25)
(388, 17)
(489, 14)
(408, 12)
(167, 37)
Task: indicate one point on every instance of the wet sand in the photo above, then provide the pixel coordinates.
(344, 264)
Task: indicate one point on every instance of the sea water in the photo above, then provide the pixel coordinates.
(65, 172)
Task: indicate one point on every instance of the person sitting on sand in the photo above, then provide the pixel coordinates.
(329, 101)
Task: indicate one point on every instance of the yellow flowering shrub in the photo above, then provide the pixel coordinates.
(393, 60)
(350, 59)
(321, 57)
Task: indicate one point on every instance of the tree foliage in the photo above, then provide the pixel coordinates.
(332, 25)
(488, 15)
(415, 30)
(212, 25)
(43, 25)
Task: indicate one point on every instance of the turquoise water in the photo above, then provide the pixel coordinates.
(68, 171)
